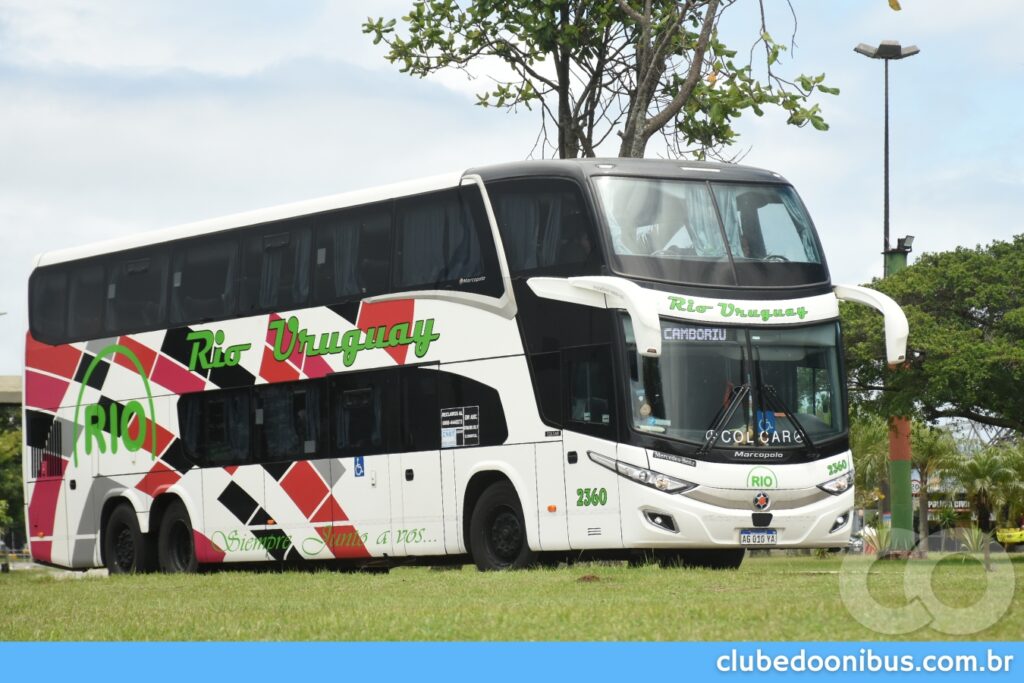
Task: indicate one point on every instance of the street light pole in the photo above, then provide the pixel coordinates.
(888, 50)
(901, 500)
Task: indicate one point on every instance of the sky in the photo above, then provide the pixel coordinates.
(118, 117)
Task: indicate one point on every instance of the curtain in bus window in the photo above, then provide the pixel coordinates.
(49, 306)
(190, 414)
(438, 242)
(277, 270)
(203, 281)
(707, 238)
(542, 223)
(353, 254)
(288, 422)
(805, 230)
(137, 293)
(518, 219)
(86, 294)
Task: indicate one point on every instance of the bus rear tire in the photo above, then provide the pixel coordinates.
(124, 547)
(497, 530)
(176, 547)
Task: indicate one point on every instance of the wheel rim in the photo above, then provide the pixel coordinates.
(181, 546)
(124, 549)
(506, 535)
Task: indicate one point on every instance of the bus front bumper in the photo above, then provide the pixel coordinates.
(709, 517)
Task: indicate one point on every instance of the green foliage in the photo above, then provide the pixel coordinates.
(966, 313)
(879, 538)
(987, 480)
(869, 442)
(597, 67)
(12, 515)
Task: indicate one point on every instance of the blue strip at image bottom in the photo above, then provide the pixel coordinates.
(511, 662)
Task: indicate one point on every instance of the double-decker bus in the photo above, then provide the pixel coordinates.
(516, 364)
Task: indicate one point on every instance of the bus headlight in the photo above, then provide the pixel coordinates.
(838, 485)
(656, 480)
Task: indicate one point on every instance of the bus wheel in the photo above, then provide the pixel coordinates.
(176, 547)
(124, 547)
(730, 558)
(497, 531)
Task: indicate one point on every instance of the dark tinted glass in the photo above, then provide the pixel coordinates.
(215, 427)
(275, 275)
(288, 421)
(203, 279)
(353, 254)
(542, 223)
(421, 424)
(49, 306)
(137, 293)
(86, 295)
(364, 413)
(471, 412)
(547, 377)
(438, 244)
(591, 400)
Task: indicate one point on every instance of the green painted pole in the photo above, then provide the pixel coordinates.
(901, 499)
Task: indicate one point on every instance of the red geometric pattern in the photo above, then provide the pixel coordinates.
(56, 360)
(305, 487)
(44, 392)
(388, 314)
(158, 480)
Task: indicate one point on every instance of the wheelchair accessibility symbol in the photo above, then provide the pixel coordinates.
(360, 470)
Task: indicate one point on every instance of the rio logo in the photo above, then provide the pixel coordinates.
(762, 478)
(110, 426)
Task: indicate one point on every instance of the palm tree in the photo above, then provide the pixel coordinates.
(984, 477)
(869, 442)
(1013, 458)
(932, 451)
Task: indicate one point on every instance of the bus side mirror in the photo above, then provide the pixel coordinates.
(601, 291)
(896, 328)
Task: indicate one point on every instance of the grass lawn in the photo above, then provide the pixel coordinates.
(769, 598)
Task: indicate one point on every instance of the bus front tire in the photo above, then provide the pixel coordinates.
(176, 545)
(497, 530)
(124, 546)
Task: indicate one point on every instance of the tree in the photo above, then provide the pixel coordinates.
(932, 451)
(869, 443)
(594, 67)
(966, 315)
(984, 477)
(11, 491)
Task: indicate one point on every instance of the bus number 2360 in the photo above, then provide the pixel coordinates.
(591, 497)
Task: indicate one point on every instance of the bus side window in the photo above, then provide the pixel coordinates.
(203, 277)
(215, 427)
(364, 413)
(288, 421)
(543, 224)
(443, 241)
(137, 293)
(421, 421)
(275, 275)
(353, 254)
(49, 290)
(86, 296)
(471, 404)
(590, 401)
(547, 376)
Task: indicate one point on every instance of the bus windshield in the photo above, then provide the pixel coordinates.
(721, 233)
(739, 387)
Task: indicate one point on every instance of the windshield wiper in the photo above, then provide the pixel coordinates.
(723, 417)
(773, 398)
